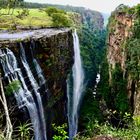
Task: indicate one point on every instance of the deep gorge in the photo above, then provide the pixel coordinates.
(63, 89)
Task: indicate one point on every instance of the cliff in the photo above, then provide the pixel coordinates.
(53, 50)
(122, 54)
(90, 18)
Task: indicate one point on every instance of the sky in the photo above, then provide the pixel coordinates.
(105, 6)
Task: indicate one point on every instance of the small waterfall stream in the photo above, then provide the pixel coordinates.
(24, 96)
(75, 95)
(96, 84)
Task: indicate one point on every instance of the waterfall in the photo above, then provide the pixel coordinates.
(75, 95)
(24, 96)
(37, 66)
(98, 77)
(35, 86)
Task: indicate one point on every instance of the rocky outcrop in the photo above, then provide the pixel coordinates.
(119, 30)
(121, 51)
(93, 19)
(53, 48)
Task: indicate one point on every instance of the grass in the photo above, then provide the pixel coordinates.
(36, 18)
(132, 132)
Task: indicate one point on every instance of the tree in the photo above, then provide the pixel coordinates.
(59, 17)
(60, 20)
(51, 10)
(11, 5)
(9, 127)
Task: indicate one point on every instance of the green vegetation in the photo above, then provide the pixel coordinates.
(52, 10)
(103, 86)
(119, 91)
(92, 49)
(74, 13)
(13, 87)
(105, 129)
(59, 17)
(63, 15)
(10, 5)
(90, 110)
(61, 133)
(24, 131)
(110, 104)
(92, 42)
(1, 136)
(48, 17)
(34, 18)
(133, 47)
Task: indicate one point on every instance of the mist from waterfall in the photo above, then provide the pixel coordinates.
(75, 89)
(24, 95)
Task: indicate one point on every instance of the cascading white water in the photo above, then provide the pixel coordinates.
(23, 95)
(35, 86)
(95, 87)
(75, 95)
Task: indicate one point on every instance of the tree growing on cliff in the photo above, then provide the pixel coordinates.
(9, 127)
(12, 87)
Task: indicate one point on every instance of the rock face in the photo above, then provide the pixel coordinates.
(119, 31)
(53, 48)
(121, 51)
(93, 19)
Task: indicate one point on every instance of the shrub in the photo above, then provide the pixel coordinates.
(60, 20)
(24, 131)
(59, 17)
(22, 14)
(60, 131)
(51, 10)
(13, 87)
(105, 129)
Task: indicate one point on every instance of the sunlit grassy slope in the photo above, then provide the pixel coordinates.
(36, 18)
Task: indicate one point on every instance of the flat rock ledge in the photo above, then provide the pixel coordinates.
(6, 36)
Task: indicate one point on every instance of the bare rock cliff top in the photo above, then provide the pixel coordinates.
(34, 34)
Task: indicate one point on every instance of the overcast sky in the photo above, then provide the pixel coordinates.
(105, 6)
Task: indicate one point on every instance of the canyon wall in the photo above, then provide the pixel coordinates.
(123, 51)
